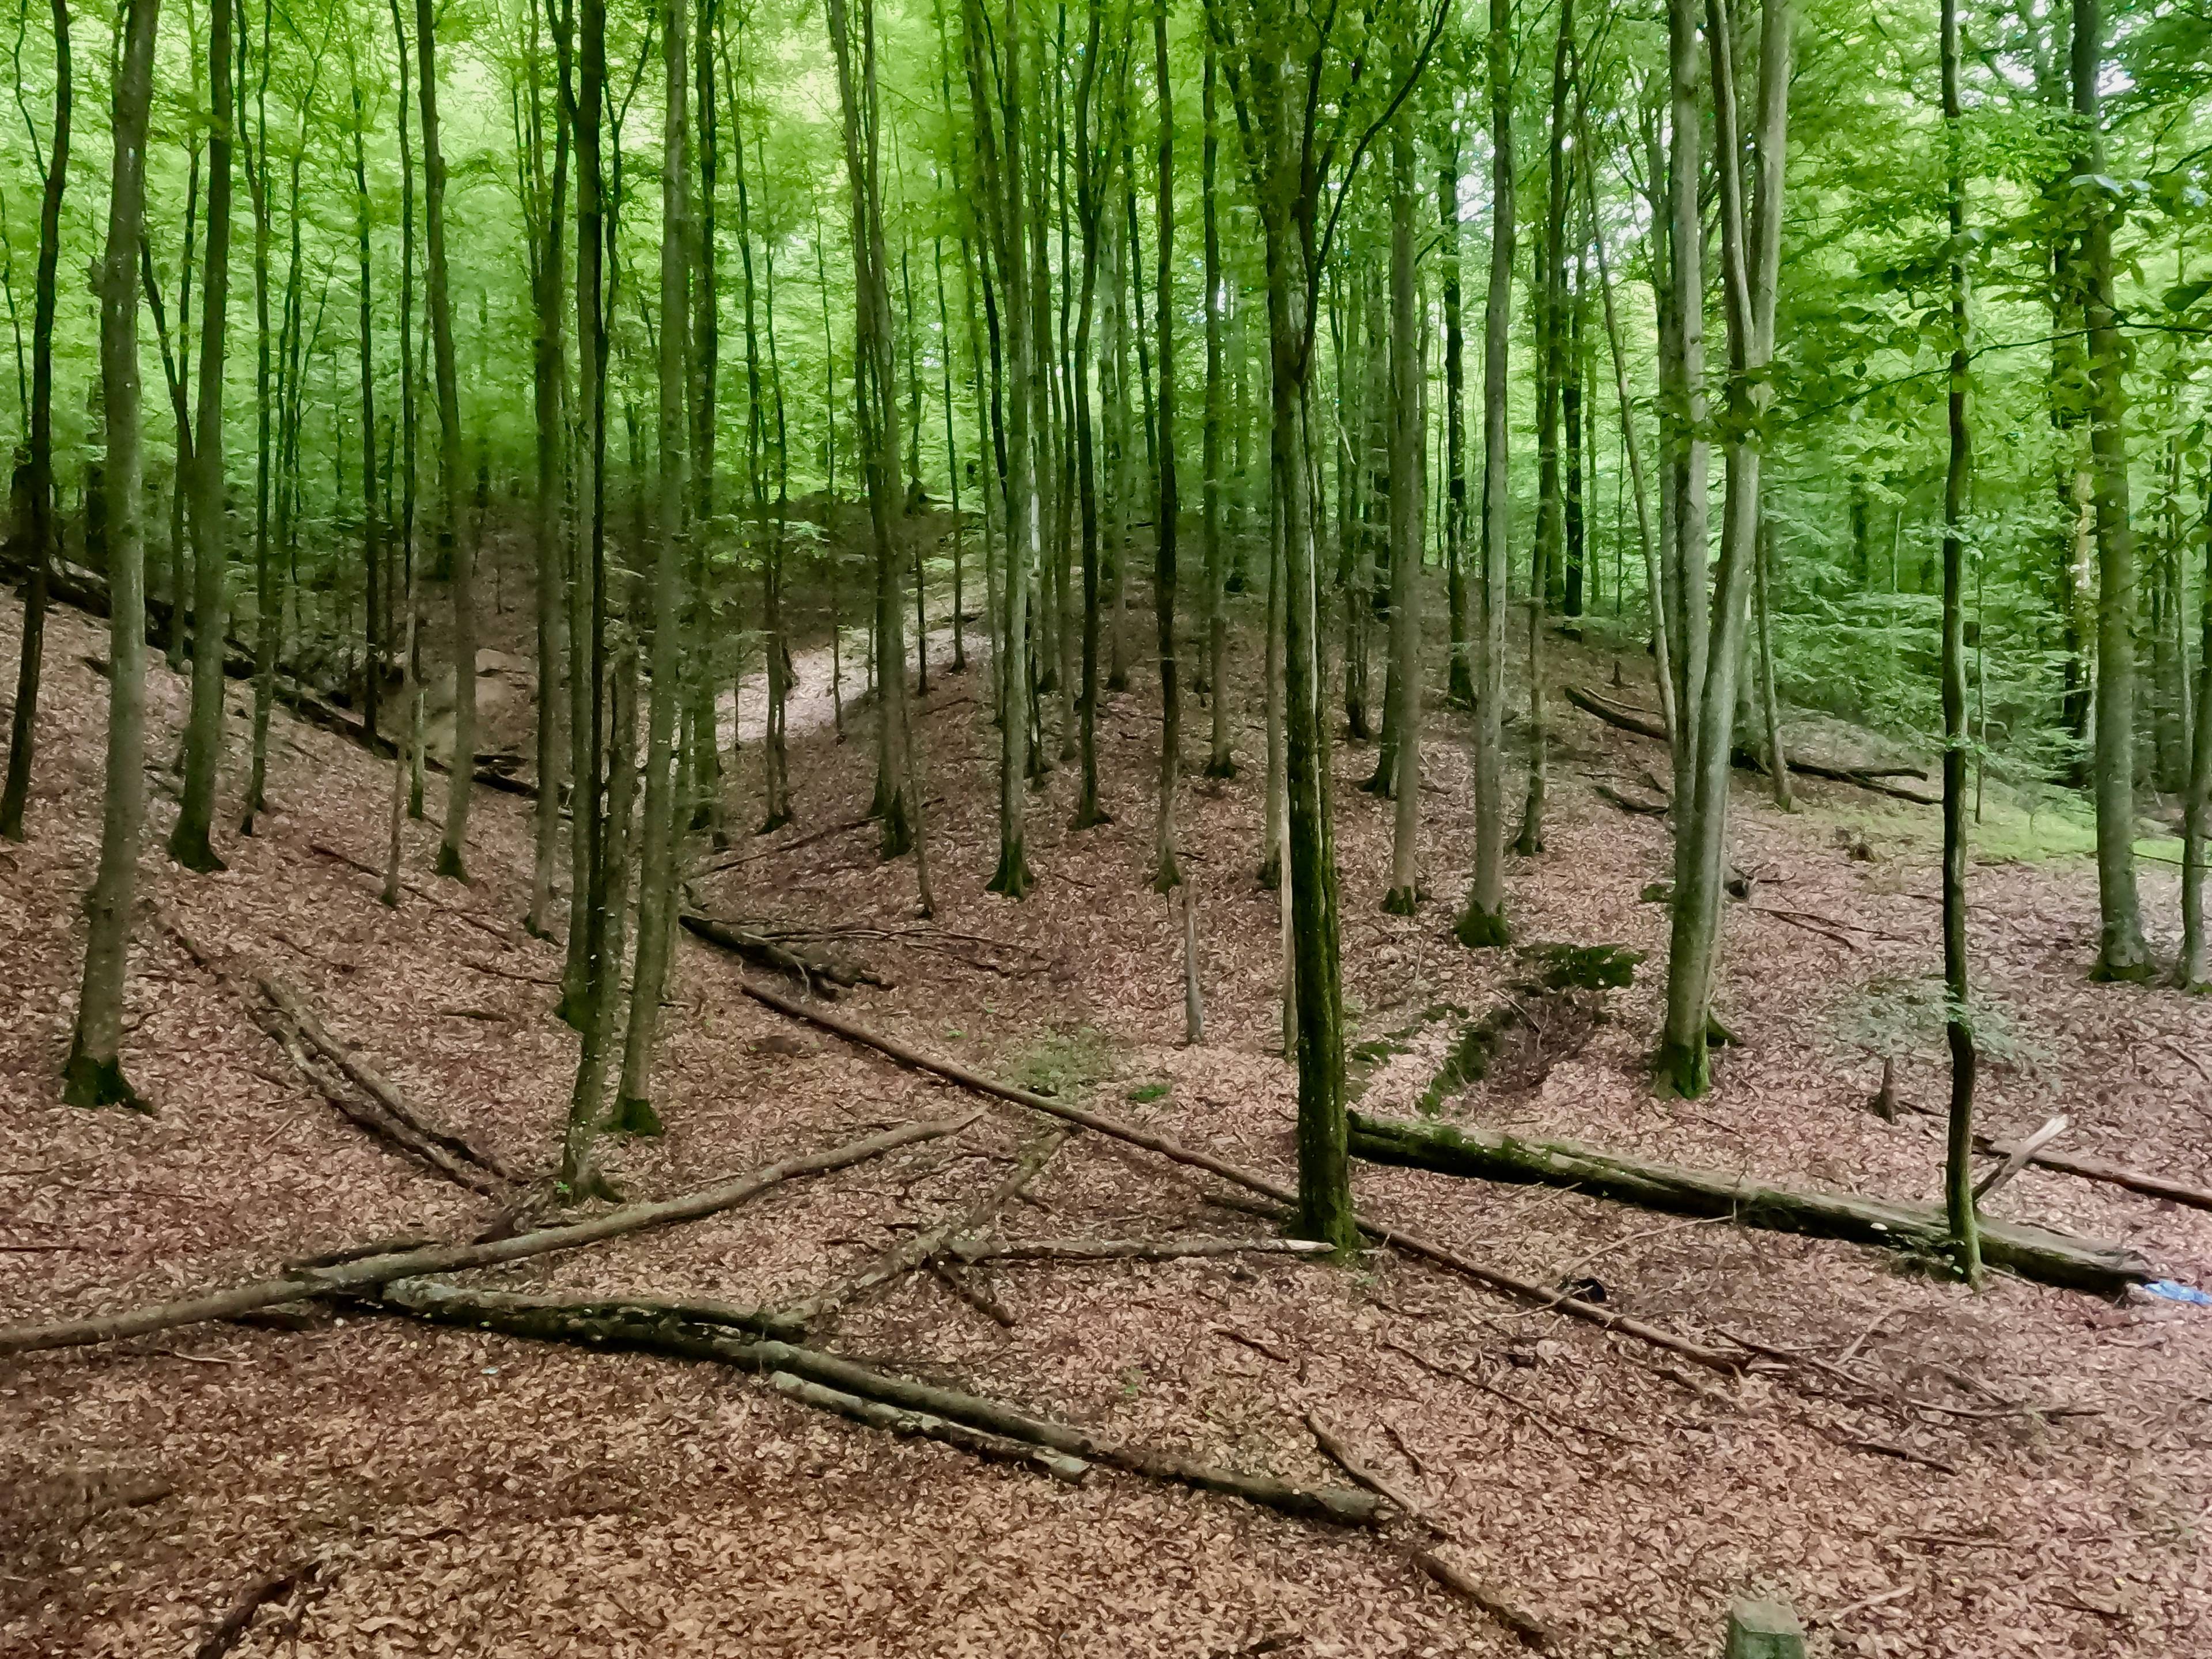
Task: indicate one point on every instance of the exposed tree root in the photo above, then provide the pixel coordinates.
(229, 1631)
(368, 1272)
(1128, 1250)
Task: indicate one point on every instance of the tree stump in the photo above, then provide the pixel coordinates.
(1764, 1630)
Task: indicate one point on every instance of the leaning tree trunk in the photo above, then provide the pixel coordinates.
(23, 733)
(188, 840)
(1482, 919)
(634, 1113)
(453, 523)
(94, 1074)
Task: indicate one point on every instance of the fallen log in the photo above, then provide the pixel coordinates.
(364, 1110)
(368, 1272)
(296, 1008)
(1863, 777)
(911, 1425)
(1128, 1250)
(1461, 1582)
(2032, 1252)
(825, 975)
(1412, 1243)
(2089, 1168)
(649, 1327)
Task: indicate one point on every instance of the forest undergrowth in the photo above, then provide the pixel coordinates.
(1920, 1468)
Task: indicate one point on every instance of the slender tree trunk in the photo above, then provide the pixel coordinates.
(1770, 697)
(268, 616)
(23, 733)
(1090, 179)
(547, 374)
(2122, 952)
(1958, 1173)
(188, 840)
(1221, 763)
(1460, 681)
(407, 767)
(1482, 918)
(1407, 508)
(2194, 972)
(453, 523)
(1166, 874)
(634, 1113)
(876, 378)
(999, 178)
(94, 1074)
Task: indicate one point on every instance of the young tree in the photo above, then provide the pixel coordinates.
(38, 532)
(93, 1075)
(1166, 875)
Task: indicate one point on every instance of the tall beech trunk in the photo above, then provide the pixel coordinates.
(2194, 972)
(1220, 762)
(453, 523)
(1091, 175)
(1460, 676)
(407, 759)
(188, 840)
(2122, 952)
(1958, 1027)
(876, 389)
(268, 619)
(1405, 523)
(1751, 261)
(1407, 508)
(998, 139)
(92, 1075)
(1165, 874)
(547, 372)
(375, 604)
(1551, 296)
(1482, 918)
(634, 1113)
(23, 733)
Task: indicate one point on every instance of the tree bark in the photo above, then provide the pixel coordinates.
(1408, 505)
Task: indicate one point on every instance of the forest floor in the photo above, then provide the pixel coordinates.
(473, 1493)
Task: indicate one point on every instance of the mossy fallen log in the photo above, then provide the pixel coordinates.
(1487, 1154)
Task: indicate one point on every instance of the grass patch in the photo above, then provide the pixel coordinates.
(1062, 1062)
